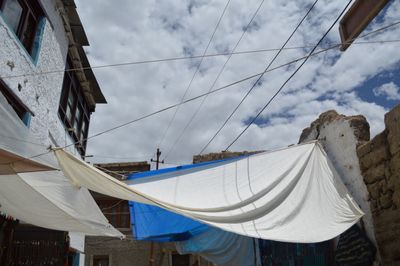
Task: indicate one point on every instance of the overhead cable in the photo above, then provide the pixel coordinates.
(194, 75)
(215, 81)
(290, 77)
(259, 78)
(203, 95)
(43, 73)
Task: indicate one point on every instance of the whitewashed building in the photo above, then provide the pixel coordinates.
(39, 39)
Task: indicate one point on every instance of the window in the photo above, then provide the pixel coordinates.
(24, 18)
(116, 211)
(73, 110)
(180, 260)
(102, 260)
(19, 107)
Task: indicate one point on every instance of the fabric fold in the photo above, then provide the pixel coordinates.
(47, 199)
(292, 195)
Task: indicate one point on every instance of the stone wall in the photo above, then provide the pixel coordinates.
(124, 252)
(380, 166)
(221, 155)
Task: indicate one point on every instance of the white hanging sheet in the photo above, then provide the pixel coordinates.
(18, 146)
(33, 195)
(292, 195)
(47, 199)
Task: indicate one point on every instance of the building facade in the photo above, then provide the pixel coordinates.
(46, 77)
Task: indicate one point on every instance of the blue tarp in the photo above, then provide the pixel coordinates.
(222, 248)
(152, 223)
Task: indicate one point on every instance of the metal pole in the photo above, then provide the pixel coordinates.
(157, 161)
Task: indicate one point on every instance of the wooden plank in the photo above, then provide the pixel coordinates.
(357, 18)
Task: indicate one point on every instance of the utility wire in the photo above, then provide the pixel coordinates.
(109, 171)
(215, 81)
(171, 106)
(121, 158)
(259, 78)
(291, 76)
(112, 206)
(194, 75)
(42, 73)
(204, 94)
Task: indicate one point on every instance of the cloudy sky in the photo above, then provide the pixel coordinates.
(363, 80)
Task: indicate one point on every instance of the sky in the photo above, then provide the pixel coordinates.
(363, 80)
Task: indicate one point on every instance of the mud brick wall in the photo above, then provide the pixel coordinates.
(221, 155)
(380, 165)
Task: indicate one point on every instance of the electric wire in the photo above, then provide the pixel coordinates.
(194, 75)
(167, 108)
(290, 77)
(109, 171)
(202, 95)
(121, 158)
(259, 78)
(171, 148)
(112, 206)
(42, 73)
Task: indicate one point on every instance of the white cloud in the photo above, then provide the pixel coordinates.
(389, 90)
(140, 30)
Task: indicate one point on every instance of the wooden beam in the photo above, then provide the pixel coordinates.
(357, 18)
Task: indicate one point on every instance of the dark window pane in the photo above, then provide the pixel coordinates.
(180, 260)
(71, 98)
(76, 115)
(28, 35)
(12, 12)
(76, 126)
(69, 113)
(20, 109)
(100, 261)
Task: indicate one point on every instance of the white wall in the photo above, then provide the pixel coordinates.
(339, 142)
(41, 93)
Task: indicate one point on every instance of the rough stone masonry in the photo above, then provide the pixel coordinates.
(380, 166)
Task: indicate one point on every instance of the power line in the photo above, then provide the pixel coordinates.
(201, 95)
(42, 73)
(259, 78)
(112, 206)
(291, 76)
(109, 171)
(204, 94)
(215, 81)
(194, 74)
(121, 158)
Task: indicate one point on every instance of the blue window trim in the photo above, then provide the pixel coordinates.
(37, 44)
(26, 119)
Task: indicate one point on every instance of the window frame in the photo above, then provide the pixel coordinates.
(116, 211)
(28, 35)
(99, 258)
(72, 89)
(21, 110)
